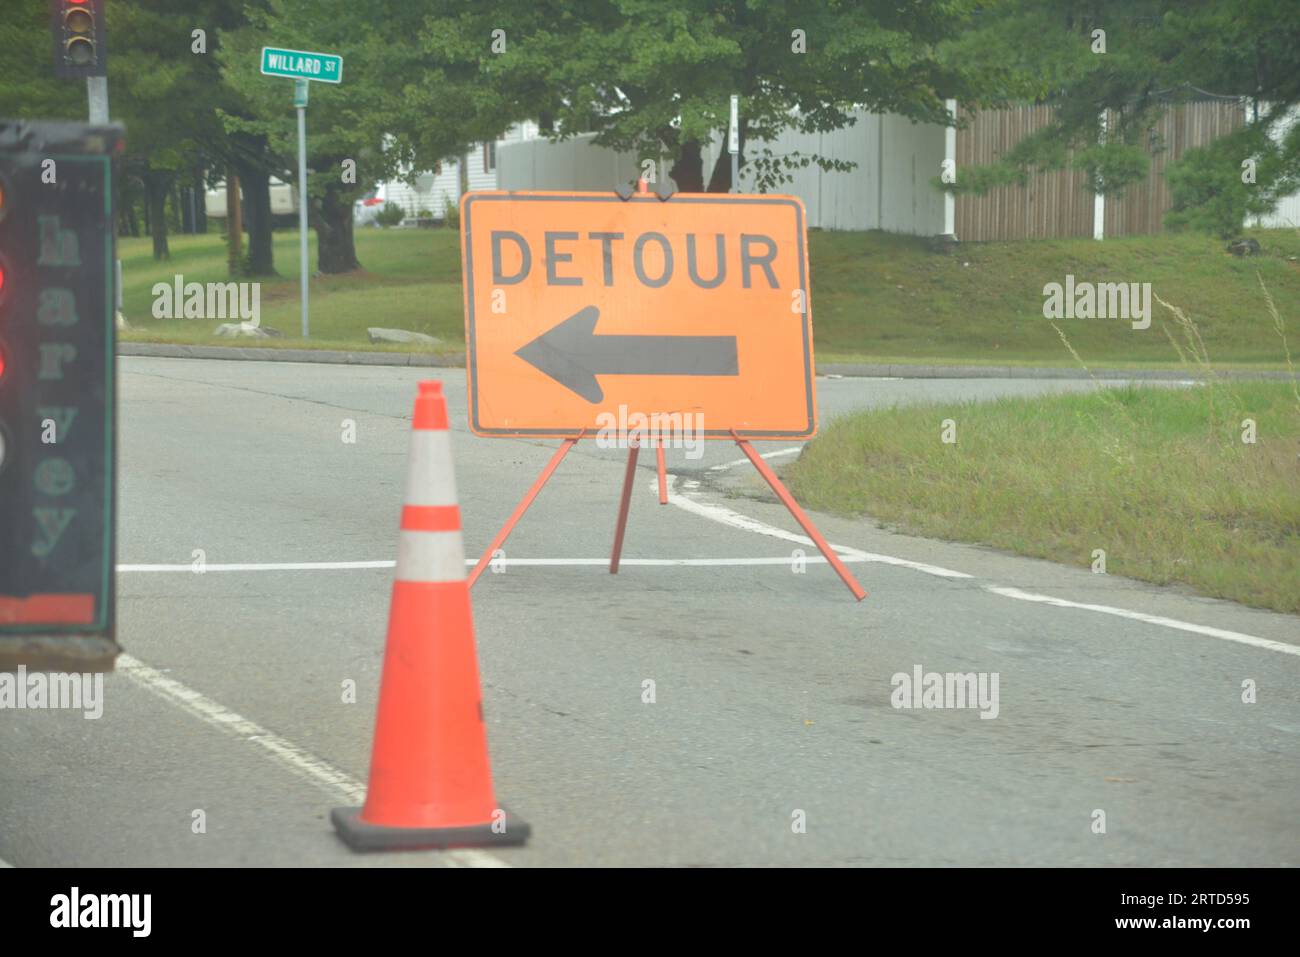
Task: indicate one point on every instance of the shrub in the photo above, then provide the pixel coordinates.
(390, 215)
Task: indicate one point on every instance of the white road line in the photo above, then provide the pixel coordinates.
(337, 783)
(662, 562)
(936, 570)
(1150, 619)
(469, 562)
(259, 567)
(766, 455)
(725, 516)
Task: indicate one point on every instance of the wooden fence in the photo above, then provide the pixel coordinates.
(1058, 204)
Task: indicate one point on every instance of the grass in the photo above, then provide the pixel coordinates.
(410, 280)
(876, 297)
(1159, 478)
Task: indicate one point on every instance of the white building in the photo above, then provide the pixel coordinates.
(889, 190)
(436, 190)
(1287, 212)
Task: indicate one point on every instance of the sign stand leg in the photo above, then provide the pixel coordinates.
(804, 521)
(633, 448)
(523, 505)
(663, 473)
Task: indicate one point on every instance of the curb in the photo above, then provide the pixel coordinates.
(456, 360)
(328, 356)
(904, 371)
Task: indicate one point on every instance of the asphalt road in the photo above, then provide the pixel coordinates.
(772, 688)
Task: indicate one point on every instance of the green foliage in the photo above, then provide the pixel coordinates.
(1157, 54)
(28, 86)
(655, 76)
(390, 214)
(344, 121)
(1209, 195)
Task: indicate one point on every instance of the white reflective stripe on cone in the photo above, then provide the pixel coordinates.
(430, 478)
(430, 557)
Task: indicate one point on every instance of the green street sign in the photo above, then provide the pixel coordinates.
(300, 88)
(299, 64)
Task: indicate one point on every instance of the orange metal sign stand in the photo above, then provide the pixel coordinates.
(584, 308)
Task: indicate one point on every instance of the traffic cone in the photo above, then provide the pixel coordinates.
(430, 782)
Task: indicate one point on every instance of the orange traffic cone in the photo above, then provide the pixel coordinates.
(430, 783)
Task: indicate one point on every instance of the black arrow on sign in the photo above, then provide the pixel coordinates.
(573, 355)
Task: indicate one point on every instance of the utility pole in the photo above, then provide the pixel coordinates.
(733, 142)
(97, 100)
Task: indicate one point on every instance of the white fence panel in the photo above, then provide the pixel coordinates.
(888, 189)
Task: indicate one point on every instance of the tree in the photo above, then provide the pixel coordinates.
(656, 76)
(164, 85)
(1131, 60)
(349, 146)
(29, 89)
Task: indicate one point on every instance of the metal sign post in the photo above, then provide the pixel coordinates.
(733, 143)
(300, 101)
(302, 66)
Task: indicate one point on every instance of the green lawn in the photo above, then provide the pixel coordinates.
(410, 279)
(1158, 478)
(875, 296)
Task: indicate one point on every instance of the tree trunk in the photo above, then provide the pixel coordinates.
(119, 208)
(720, 180)
(688, 169)
(257, 195)
(335, 250)
(234, 224)
(200, 202)
(176, 194)
(156, 186)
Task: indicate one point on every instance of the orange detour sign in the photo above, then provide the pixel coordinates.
(642, 317)
(587, 311)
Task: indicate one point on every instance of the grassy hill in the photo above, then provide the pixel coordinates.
(875, 296)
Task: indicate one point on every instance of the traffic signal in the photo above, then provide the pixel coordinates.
(57, 395)
(80, 47)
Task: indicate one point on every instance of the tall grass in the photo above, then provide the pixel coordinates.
(1162, 479)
